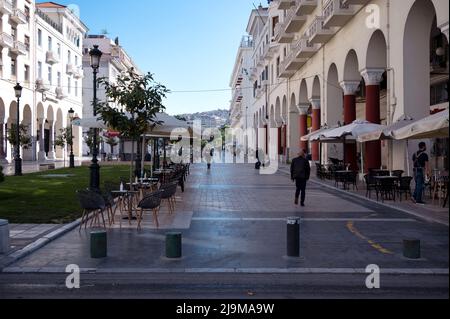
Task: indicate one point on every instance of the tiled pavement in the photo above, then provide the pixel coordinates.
(231, 217)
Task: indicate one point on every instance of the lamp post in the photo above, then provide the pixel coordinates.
(18, 161)
(95, 55)
(71, 157)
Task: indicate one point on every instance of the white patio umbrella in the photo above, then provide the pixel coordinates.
(434, 126)
(90, 123)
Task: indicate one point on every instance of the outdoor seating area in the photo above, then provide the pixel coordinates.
(124, 201)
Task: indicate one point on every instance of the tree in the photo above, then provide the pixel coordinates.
(25, 139)
(89, 140)
(64, 138)
(113, 142)
(140, 98)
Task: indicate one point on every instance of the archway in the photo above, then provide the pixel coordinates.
(59, 125)
(40, 131)
(316, 116)
(334, 109)
(28, 123)
(12, 120)
(50, 134)
(3, 151)
(293, 127)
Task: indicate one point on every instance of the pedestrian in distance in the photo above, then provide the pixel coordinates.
(300, 174)
(421, 172)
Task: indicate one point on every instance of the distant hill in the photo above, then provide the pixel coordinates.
(216, 118)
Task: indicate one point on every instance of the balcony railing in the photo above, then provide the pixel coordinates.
(79, 73)
(247, 42)
(46, 18)
(336, 13)
(355, 2)
(6, 6)
(59, 92)
(41, 86)
(70, 69)
(6, 40)
(51, 58)
(317, 32)
(303, 48)
(281, 36)
(293, 22)
(284, 4)
(18, 16)
(19, 48)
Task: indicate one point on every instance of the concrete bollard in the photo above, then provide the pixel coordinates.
(99, 244)
(412, 249)
(174, 245)
(293, 237)
(5, 244)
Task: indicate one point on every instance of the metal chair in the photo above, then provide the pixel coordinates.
(398, 173)
(371, 185)
(152, 203)
(351, 178)
(92, 203)
(386, 187)
(405, 187)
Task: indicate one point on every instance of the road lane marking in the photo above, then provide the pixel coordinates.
(351, 227)
(345, 220)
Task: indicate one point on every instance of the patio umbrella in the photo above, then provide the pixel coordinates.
(386, 132)
(434, 126)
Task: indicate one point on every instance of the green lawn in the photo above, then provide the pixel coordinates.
(40, 198)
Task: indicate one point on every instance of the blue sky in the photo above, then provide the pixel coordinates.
(188, 45)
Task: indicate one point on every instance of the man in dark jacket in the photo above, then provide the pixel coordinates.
(300, 173)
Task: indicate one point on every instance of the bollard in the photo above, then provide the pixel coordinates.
(293, 237)
(99, 244)
(412, 249)
(4, 237)
(174, 245)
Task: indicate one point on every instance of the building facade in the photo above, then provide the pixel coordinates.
(329, 62)
(114, 62)
(45, 57)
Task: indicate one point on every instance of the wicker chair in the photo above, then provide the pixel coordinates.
(92, 203)
(405, 187)
(371, 185)
(351, 179)
(152, 203)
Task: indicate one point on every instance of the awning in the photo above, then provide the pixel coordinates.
(386, 132)
(352, 131)
(434, 126)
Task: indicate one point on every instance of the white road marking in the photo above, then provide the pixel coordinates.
(359, 220)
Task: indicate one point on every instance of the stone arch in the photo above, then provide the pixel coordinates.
(59, 125)
(334, 98)
(316, 88)
(3, 150)
(351, 67)
(27, 120)
(293, 129)
(303, 95)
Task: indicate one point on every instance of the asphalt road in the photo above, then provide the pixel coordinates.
(222, 286)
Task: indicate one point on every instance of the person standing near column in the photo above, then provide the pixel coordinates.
(300, 173)
(421, 170)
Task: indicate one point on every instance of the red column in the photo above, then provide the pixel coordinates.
(316, 121)
(350, 150)
(373, 78)
(303, 125)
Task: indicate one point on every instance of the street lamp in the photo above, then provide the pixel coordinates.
(71, 157)
(95, 55)
(18, 161)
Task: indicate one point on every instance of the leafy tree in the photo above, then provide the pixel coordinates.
(64, 138)
(113, 142)
(89, 140)
(25, 139)
(140, 98)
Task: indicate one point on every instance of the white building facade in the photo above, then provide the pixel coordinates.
(330, 62)
(46, 60)
(114, 62)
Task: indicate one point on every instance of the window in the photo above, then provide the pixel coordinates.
(13, 68)
(76, 88)
(69, 85)
(27, 74)
(50, 75)
(278, 67)
(275, 21)
(50, 44)
(59, 49)
(40, 70)
(59, 79)
(27, 43)
(69, 57)
(76, 60)
(39, 37)
(27, 13)
(14, 33)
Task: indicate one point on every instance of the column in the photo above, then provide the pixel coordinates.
(41, 155)
(316, 121)
(350, 150)
(2, 144)
(373, 78)
(303, 110)
(51, 152)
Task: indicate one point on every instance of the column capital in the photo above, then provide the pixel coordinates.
(373, 76)
(350, 87)
(303, 108)
(316, 103)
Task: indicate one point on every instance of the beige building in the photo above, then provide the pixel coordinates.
(330, 62)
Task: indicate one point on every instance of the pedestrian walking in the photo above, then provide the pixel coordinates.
(300, 174)
(421, 172)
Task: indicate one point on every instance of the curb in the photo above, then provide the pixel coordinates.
(248, 271)
(39, 243)
(427, 219)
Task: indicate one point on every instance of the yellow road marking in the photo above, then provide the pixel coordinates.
(351, 227)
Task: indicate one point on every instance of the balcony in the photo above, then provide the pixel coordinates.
(292, 64)
(303, 49)
(6, 6)
(336, 13)
(259, 92)
(293, 22)
(281, 36)
(18, 16)
(78, 74)
(70, 69)
(306, 7)
(269, 51)
(51, 58)
(237, 96)
(253, 73)
(260, 61)
(6, 41)
(355, 2)
(59, 92)
(317, 33)
(284, 4)
(19, 48)
(41, 86)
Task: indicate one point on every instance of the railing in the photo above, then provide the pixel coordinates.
(332, 6)
(57, 26)
(20, 47)
(19, 14)
(315, 26)
(6, 5)
(6, 39)
(247, 42)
